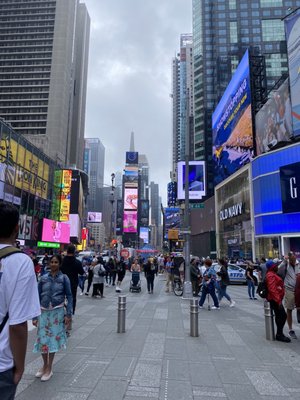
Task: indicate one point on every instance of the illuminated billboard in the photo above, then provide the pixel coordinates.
(94, 216)
(273, 122)
(232, 125)
(130, 222)
(55, 231)
(144, 212)
(144, 234)
(196, 180)
(172, 219)
(65, 194)
(130, 199)
(292, 28)
(132, 157)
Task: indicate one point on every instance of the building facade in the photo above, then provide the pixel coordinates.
(43, 73)
(222, 31)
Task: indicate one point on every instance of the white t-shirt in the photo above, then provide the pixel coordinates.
(19, 296)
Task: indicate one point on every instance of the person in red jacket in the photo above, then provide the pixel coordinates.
(275, 295)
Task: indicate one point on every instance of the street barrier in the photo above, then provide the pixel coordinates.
(194, 332)
(121, 314)
(269, 321)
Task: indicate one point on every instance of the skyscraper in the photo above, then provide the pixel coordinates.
(144, 174)
(43, 72)
(94, 155)
(222, 31)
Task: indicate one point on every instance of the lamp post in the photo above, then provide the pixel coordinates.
(112, 200)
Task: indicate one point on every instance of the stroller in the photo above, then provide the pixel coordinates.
(135, 283)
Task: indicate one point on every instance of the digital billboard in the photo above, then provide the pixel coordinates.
(232, 125)
(130, 181)
(130, 222)
(144, 234)
(130, 199)
(292, 29)
(94, 216)
(119, 217)
(132, 157)
(273, 122)
(55, 231)
(172, 219)
(144, 212)
(75, 225)
(197, 178)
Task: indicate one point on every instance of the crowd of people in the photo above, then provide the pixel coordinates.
(47, 296)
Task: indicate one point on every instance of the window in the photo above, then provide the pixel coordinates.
(271, 3)
(272, 30)
(233, 32)
(232, 4)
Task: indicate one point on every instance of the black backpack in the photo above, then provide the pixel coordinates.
(262, 289)
(5, 252)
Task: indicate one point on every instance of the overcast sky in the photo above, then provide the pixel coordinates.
(129, 81)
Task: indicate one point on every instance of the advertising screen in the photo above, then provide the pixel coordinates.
(232, 125)
(196, 180)
(132, 157)
(130, 181)
(292, 28)
(75, 225)
(172, 219)
(273, 122)
(65, 195)
(55, 231)
(119, 217)
(94, 216)
(130, 199)
(144, 212)
(144, 234)
(130, 222)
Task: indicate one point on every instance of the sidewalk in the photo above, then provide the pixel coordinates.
(157, 359)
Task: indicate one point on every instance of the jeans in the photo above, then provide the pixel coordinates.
(251, 288)
(150, 283)
(7, 386)
(222, 293)
(280, 316)
(208, 289)
(82, 279)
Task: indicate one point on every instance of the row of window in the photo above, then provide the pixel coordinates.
(44, 82)
(9, 101)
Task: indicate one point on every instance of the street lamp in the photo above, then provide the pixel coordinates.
(112, 200)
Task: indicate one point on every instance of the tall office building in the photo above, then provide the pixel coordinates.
(93, 165)
(144, 174)
(222, 31)
(155, 204)
(43, 72)
(183, 100)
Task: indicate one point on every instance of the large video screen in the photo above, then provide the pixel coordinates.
(55, 231)
(130, 222)
(172, 219)
(273, 122)
(232, 125)
(94, 216)
(292, 27)
(196, 180)
(144, 234)
(130, 199)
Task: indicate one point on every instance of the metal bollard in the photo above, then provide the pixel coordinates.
(194, 332)
(269, 321)
(121, 314)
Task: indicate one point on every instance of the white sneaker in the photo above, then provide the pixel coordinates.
(46, 377)
(200, 306)
(80, 294)
(215, 308)
(232, 303)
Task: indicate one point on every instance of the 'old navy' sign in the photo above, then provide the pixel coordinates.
(230, 212)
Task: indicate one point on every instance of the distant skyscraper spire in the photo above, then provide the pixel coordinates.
(131, 148)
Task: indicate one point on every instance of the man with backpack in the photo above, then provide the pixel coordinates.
(288, 271)
(19, 302)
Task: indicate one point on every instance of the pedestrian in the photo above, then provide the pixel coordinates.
(113, 268)
(19, 297)
(209, 285)
(90, 275)
(275, 295)
(150, 271)
(82, 278)
(121, 271)
(250, 281)
(169, 275)
(54, 290)
(262, 269)
(224, 282)
(72, 268)
(288, 271)
(195, 277)
(98, 277)
(135, 267)
(45, 263)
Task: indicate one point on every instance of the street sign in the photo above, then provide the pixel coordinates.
(196, 205)
(185, 232)
(49, 245)
(124, 253)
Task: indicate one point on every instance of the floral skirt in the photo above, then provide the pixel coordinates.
(51, 334)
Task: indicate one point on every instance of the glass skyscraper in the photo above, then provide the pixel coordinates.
(222, 31)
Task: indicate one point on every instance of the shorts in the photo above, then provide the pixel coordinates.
(289, 299)
(7, 386)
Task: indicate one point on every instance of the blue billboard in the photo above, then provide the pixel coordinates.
(172, 219)
(292, 28)
(276, 192)
(232, 125)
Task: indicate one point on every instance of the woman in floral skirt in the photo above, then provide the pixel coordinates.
(54, 288)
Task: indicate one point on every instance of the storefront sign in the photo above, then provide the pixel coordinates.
(231, 212)
(290, 187)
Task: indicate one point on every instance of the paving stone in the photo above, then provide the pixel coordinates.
(266, 384)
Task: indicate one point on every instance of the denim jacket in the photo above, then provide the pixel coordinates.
(54, 290)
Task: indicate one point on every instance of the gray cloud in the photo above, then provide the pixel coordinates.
(129, 82)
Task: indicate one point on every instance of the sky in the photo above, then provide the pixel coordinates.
(132, 43)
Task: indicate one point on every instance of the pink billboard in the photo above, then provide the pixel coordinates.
(54, 231)
(130, 199)
(130, 222)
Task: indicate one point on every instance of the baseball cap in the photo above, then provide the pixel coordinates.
(270, 264)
